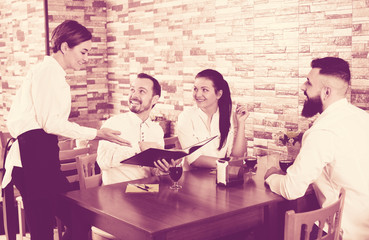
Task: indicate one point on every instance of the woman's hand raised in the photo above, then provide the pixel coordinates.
(241, 113)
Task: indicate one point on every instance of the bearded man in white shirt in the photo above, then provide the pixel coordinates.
(137, 128)
(335, 150)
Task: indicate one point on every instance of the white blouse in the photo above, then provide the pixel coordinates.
(42, 102)
(191, 129)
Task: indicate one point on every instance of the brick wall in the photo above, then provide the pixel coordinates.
(263, 48)
(22, 44)
(89, 87)
(20, 25)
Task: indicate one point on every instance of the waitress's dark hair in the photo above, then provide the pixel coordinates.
(224, 103)
(71, 32)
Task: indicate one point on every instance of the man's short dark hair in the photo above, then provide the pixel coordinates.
(156, 86)
(333, 66)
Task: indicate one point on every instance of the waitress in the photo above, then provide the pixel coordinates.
(38, 115)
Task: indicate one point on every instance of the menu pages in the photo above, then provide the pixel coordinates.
(149, 156)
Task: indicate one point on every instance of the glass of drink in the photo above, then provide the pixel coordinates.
(250, 162)
(284, 164)
(175, 173)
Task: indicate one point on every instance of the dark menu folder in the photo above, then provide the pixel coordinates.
(149, 156)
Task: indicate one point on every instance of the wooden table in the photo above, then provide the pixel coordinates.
(200, 210)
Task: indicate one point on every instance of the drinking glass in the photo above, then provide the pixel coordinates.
(175, 173)
(284, 164)
(250, 162)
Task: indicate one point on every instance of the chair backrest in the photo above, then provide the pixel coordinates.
(86, 171)
(329, 216)
(172, 142)
(93, 145)
(4, 137)
(68, 164)
(67, 144)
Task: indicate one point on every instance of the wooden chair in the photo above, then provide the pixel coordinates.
(8, 203)
(68, 164)
(4, 137)
(86, 171)
(93, 144)
(88, 179)
(295, 223)
(172, 142)
(67, 144)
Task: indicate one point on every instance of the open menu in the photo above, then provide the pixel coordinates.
(149, 156)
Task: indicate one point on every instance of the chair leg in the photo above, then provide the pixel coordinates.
(21, 217)
(60, 227)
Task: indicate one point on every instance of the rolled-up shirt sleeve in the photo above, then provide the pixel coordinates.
(316, 152)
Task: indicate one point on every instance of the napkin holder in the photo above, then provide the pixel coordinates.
(227, 174)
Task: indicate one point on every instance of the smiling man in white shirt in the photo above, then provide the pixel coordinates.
(137, 127)
(335, 150)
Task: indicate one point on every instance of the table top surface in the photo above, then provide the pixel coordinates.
(200, 199)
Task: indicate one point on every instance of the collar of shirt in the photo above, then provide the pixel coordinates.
(214, 124)
(331, 108)
(136, 119)
(51, 60)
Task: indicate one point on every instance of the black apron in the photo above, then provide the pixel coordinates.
(39, 152)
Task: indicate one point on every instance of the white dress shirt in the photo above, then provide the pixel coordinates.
(191, 129)
(43, 101)
(334, 154)
(110, 154)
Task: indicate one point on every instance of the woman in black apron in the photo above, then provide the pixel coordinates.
(38, 115)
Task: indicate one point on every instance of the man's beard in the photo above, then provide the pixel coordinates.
(138, 108)
(312, 106)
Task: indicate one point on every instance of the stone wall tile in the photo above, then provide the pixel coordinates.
(263, 49)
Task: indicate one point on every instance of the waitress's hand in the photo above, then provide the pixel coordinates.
(111, 136)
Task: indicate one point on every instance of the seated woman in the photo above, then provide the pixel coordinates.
(212, 117)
